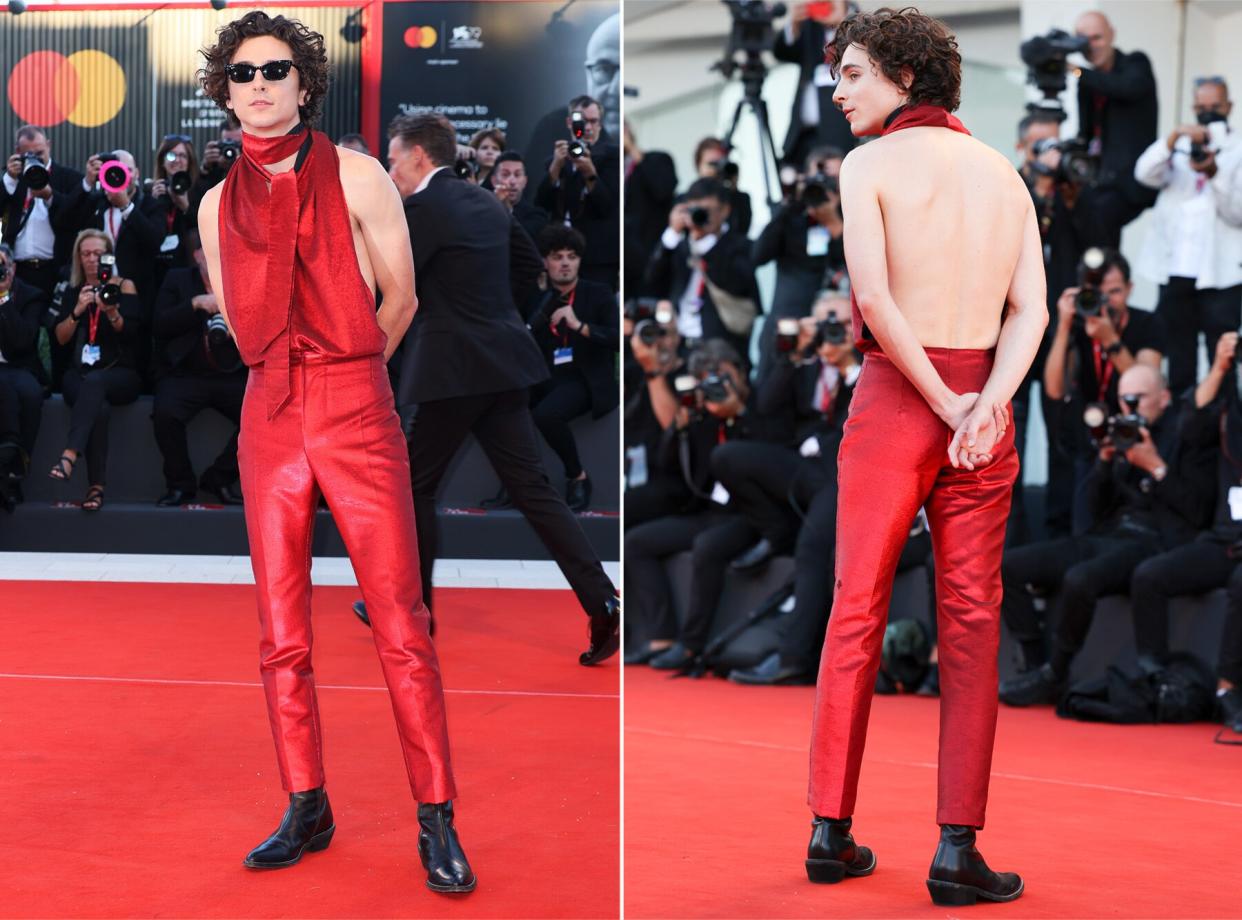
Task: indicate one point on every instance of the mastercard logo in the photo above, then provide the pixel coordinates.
(421, 37)
(87, 88)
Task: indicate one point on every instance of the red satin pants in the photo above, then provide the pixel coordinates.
(339, 434)
(894, 460)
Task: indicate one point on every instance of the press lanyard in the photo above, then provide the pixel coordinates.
(569, 302)
(93, 323)
(1103, 370)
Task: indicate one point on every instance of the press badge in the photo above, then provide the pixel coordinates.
(170, 244)
(810, 447)
(636, 460)
(1235, 503)
(90, 355)
(817, 240)
(720, 495)
(563, 356)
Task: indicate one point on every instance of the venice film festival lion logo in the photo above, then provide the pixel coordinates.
(466, 37)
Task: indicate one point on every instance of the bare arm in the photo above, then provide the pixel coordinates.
(376, 205)
(209, 233)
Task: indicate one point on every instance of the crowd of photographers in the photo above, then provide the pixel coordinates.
(105, 296)
(734, 408)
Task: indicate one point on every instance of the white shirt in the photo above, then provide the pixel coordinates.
(809, 103)
(690, 307)
(427, 179)
(36, 239)
(113, 219)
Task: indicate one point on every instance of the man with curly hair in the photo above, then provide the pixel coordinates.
(948, 284)
(319, 416)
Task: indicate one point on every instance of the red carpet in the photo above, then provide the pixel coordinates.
(139, 799)
(1101, 821)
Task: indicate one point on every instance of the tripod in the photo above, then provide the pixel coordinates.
(754, 71)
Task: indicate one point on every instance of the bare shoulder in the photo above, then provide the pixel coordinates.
(361, 170)
(864, 163)
(209, 209)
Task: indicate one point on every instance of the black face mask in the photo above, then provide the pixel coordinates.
(1206, 118)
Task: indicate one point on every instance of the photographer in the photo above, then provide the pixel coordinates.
(650, 186)
(806, 238)
(1194, 248)
(176, 174)
(815, 119)
(1149, 490)
(715, 406)
(711, 161)
(509, 184)
(197, 366)
(1097, 338)
(582, 189)
(576, 329)
(706, 269)
(38, 207)
(21, 395)
(1116, 120)
(218, 157)
(98, 314)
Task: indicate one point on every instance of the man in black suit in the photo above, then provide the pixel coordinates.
(196, 367)
(815, 119)
(706, 270)
(469, 362)
(39, 224)
(21, 395)
(584, 191)
(650, 187)
(509, 183)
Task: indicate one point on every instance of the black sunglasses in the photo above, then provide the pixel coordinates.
(180, 138)
(272, 71)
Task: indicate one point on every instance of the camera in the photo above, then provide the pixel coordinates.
(816, 189)
(1200, 152)
(34, 172)
(1122, 429)
(577, 125)
(700, 216)
(217, 332)
(1089, 301)
(830, 331)
(725, 171)
(686, 386)
(108, 292)
(577, 149)
(1077, 166)
(114, 175)
(465, 169)
(229, 150)
(1045, 58)
(787, 335)
(753, 31)
(179, 182)
(641, 308)
(715, 388)
(653, 328)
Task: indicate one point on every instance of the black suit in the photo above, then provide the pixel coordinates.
(650, 189)
(21, 392)
(469, 361)
(595, 213)
(807, 51)
(531, 218)
(67, 192)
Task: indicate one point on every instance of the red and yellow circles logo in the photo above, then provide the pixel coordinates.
(421, 37)
(86, 88)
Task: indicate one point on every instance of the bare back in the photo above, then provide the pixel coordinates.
(954, 216)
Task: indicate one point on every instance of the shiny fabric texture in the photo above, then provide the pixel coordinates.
(292, 245)
(339, 433)
(894, 460)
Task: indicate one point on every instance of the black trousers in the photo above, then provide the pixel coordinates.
(21, 406)
(1196, 568)
(178, 398)
(1083, 569)
(503, 426)
(1187, 312)
(758, 476)
(43, 276)
(660, 495)
(91, 397)
(554, 404)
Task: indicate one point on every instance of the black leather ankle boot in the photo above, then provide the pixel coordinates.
(832, 853)
(307, 827)
(959, 876)
(441, 852)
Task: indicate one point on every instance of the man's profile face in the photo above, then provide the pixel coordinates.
(1212, 97)
(262, 106)
(562, 266)
(603, 69)
(37, 145)
(509, 181)
(864, 95)
(1096, 29)
(591, 115)
(404, 166)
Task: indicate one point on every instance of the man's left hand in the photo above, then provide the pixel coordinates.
(1207, 165)
(566, 315)
(585, 165)
(1144, 454)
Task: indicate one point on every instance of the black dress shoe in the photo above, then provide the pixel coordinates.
(497, 502)
(307, 828)
(604, 632)
(755, 558)
(438, 847)
(673, 658)
(931, 683)
(578, 494)
(1231, 709)
(227, 492)
(174, 497)
(959, 876)
(1043, 685)
(832, 853)
(641, 655)
(360, 609)
(771, 673)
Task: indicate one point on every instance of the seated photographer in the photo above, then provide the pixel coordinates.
(1097, 338)
(576, 329)
(581, 188)
(1194, 247)
(1150, 490)
(197, 366)
(805, 237)
(650, 186)
(711, 161)
(715, 406)
(509, 184)
(487, 144)
(1211, 560)
(22, 307)
(704, 267)
(1116, 121)
(176, 173)
(98, 313)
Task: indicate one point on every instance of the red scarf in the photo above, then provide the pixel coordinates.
(908, 116)
(258, 246)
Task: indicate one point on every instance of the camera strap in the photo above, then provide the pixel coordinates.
(93, 323)
(1104, 368)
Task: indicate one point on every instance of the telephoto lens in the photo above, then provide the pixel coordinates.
(699, 217)
(1088, 302)
(35, 173)
(179, 182)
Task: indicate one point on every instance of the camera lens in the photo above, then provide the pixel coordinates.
(109, 294)
(179, 182)
(699, 217)
(576, 150)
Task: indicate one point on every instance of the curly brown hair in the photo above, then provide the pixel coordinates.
(895, 39)
(308, 57)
